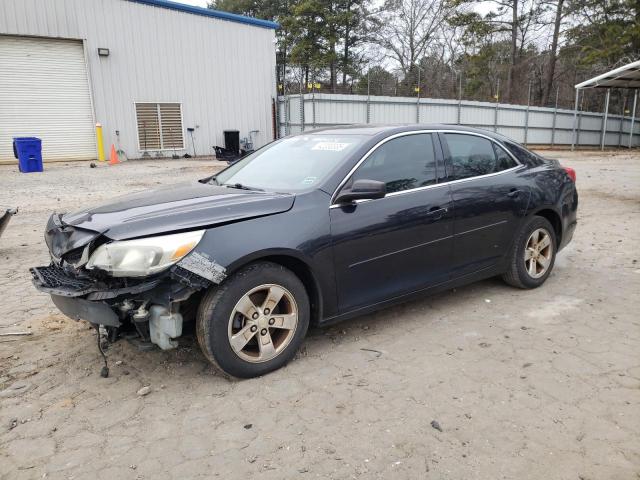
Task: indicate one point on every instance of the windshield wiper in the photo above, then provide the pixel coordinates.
(240, 186)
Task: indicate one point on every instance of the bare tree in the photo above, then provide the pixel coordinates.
(407, 29)
(553, 54)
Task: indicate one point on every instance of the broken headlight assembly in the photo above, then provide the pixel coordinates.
(144, 256)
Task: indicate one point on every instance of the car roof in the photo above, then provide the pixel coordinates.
(385, 130)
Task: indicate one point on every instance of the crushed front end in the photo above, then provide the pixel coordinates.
(140, 289)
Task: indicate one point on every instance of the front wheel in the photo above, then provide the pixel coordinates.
(254, 322)
(533, 254)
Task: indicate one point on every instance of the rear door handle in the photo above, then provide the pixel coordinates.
(436, 213)
(513, 193)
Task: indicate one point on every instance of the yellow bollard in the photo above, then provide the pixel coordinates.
(99, 141)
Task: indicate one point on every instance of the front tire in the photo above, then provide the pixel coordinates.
(533, 254)
(255, 321)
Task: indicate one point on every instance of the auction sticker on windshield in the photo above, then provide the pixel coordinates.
(330, 146)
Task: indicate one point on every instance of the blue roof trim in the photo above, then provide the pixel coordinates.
(207, 12)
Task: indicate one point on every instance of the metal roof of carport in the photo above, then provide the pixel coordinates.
(627, 76)
(208, 12)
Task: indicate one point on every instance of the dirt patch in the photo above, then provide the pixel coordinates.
(521, 384)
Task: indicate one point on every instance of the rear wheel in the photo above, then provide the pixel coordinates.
(254, 322)
(533, 254)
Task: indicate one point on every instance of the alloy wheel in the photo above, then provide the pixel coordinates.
(262, 323)
(538, 253)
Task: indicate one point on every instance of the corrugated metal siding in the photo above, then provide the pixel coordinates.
(222, 72)
(44, 93)
(509, 120)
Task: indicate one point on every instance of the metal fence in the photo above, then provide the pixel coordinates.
(526, 124)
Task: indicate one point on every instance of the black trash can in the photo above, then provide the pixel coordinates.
(232, 141)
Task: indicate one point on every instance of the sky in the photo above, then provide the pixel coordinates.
(482, 7)
(195, 3)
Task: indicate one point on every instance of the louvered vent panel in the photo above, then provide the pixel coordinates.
(171, 120)
(148, 126)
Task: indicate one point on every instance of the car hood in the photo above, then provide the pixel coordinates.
(184, 206)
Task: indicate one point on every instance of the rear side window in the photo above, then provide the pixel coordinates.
(504, 161)
(524, 155)
(402, 163)
(473, 156)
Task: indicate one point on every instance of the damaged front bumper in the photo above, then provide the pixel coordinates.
(150, 307)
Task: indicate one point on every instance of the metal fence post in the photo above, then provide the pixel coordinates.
(574, 139)
(313, 99)
(579, 124)
(555, 114)
(301, 101)
(368, 97)
(460, 98)
(418, 100)
(287, 106)
(624, 105)
(526, 117)
(633, 117)
(276, 134)
(278, 126)
(604, 120)
(495, 114)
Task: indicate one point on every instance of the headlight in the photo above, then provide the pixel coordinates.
(139, 258)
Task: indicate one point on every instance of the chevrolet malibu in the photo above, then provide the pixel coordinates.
(309, 230)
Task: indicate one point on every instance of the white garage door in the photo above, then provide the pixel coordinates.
(44, 92)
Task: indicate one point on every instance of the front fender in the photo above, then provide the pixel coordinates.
(301, 234)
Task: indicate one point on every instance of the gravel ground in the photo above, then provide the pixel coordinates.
(485, 382)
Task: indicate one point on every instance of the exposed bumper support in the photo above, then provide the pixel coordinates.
(120, 304)
(97, 313)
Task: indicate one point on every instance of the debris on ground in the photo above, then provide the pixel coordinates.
(436, 425)
(336, 395)
(377, 352)
(146, 390)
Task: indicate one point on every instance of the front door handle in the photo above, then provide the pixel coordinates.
(513, 193)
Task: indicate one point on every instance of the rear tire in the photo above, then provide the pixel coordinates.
(533, 254)
(255, 321)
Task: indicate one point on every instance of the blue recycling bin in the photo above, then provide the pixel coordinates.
(28, 151)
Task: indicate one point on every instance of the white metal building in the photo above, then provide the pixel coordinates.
(148, 69)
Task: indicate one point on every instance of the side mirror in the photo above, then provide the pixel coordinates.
(362, 190)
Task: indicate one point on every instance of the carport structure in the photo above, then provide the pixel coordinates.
(627, 76)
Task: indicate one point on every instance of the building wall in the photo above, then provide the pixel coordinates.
(221, 71)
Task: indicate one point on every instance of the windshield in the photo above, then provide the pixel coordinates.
(291, 164)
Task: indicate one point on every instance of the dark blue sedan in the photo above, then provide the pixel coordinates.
(310, 229)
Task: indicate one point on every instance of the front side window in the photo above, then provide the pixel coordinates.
(291, 164)
(402, 163)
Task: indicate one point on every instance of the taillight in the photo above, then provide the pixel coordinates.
(571, 172)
